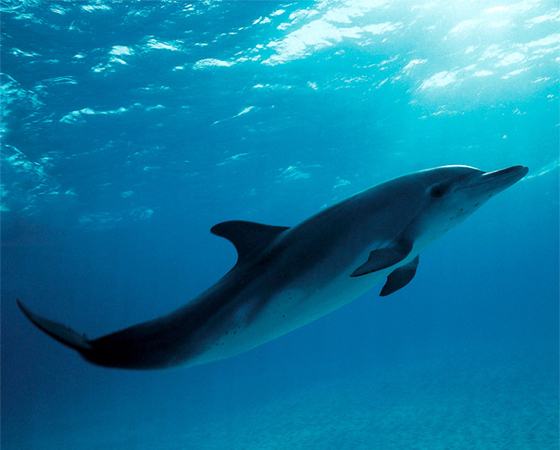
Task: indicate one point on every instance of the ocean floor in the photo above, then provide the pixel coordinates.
(498, 406)
(489, 401)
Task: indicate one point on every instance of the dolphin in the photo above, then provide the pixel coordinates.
(286, 277)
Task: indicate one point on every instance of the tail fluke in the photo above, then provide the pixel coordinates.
(58, 331)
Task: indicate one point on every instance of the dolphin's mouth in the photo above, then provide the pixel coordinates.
(501, 179)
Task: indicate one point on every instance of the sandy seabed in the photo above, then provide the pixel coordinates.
(481, 403)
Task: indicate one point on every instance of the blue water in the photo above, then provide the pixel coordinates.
(129, 129)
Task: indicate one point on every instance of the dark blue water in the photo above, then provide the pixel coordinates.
(129, 129)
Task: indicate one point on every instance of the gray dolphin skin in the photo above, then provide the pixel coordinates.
(287, 277)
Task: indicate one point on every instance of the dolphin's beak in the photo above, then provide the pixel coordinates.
(494, 182)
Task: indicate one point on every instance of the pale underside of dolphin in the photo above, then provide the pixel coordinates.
(287, 277)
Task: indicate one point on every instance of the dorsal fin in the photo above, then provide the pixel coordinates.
(248, 237)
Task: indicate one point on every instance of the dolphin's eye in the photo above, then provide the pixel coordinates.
(437, 191)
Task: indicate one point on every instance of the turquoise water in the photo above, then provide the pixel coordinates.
(129, 129)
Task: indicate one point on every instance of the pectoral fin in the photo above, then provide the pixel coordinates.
(384, 257)
(400, 277)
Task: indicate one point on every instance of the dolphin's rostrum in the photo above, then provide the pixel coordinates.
(287, 277)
